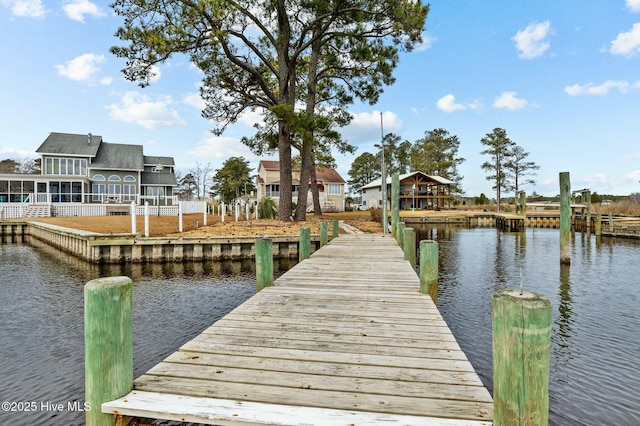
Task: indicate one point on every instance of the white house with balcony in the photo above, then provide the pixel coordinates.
(82, 168)
(417, 191)
(331, 186)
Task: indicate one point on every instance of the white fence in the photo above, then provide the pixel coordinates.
(15, 211)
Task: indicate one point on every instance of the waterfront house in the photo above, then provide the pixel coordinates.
(331, 186)
(417, 190)
(83, 168)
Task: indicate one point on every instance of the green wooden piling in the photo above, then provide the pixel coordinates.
(400, 234)
(610, 222)
(429, 269)
(409, 246)
(264, 263)
(304, 249)
(523, 203)
(108, 344)
(521, 353)
(565, 218)
(324, 234)
(598, 225)
(395, 203)
(336, 228)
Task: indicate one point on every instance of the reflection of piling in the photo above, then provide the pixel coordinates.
(264, 263)
(304, 251)
(521, 353)
(565, 218)
(108, 344)
(429, 269)
(409, 246)
(324, 233)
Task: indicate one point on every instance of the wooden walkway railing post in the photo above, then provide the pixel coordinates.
(324, 234)
(521, 353)
(264, 263)
(400, 234)
(409, 246)
(429, 269)
(304, 248)
(395, 203)
(108, 344)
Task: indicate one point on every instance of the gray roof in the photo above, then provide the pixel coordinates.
(152, 160)
(118, 156)
(159, 179)
(70, 144)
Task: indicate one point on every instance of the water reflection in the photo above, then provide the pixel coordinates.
(595, 369)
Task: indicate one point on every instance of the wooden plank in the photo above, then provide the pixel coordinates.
(227, 412)
(336, 336)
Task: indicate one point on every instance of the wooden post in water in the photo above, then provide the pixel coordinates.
(108, 344)
(400, 234)
(395, 203)
(324, 234)
(610, 222)
(264, 263)
(587, 197)
(409, 246)
(429, 269)
(521, 353)
(523, 203)
(304, 247)
(565, 218)
(598, 225)
(336, 228)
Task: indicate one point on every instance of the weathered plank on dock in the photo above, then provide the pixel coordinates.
(345, 337)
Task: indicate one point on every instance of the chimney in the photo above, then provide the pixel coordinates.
(89, 138)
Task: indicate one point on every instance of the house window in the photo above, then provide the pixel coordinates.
(98, 191)
(273, 190)
(65, 166)
(129, 178)
(334, 189)
(129, 192)
(114, 178)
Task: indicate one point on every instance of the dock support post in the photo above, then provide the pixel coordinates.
(523, 203)
(108, 343)
(409, 246)
(395, 203)
(429, 269)
(324, 234)
(336, 228)
(304, 248)
(521, 353)
(610, 222)
(565, 218)
(264, 263)
(598, 225)
(400, 234)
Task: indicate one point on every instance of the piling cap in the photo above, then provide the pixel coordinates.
(524, 296)
(108, 282)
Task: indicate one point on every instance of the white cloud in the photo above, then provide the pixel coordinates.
(77, 9)
(365, 127)
(633, 5)
(447, 103)
(602, 89)
(10, 152)
(195, 100)
(139, 109)
(83, 68)
(532, 41)
(26, 8)
(509, 100)
(427, 42)
(220, 147)
(627, 44)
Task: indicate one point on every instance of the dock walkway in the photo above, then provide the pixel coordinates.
(343, 338)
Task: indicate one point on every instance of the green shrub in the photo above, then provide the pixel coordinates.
(267, 208)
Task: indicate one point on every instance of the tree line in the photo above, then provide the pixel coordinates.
(436, 154)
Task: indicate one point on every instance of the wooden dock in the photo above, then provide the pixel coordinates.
(343, 338)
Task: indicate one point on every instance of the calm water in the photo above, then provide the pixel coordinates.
(595, 360)
(595, 353)
(41, 309)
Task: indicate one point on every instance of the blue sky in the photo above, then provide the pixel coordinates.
(561, 77)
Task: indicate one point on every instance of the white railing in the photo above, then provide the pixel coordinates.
(12, 211)
(193, 206)
(72, 209)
